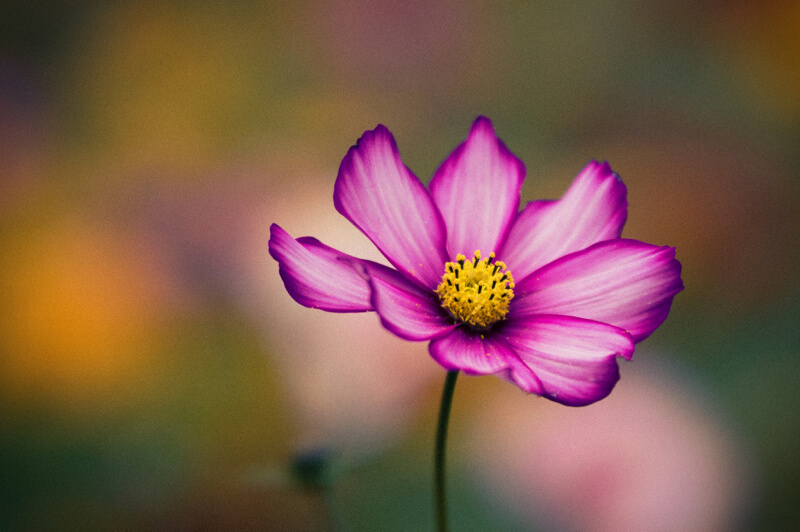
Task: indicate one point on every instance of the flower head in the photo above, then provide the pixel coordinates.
(545, 298)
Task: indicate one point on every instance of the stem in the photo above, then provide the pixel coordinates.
(440, 494)
(327, 496)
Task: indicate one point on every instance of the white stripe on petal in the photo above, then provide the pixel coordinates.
(592, 210)
(477, 191)
(318, 276)
(626, 283)
(380, 196)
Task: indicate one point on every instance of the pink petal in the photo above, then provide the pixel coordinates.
(477, 191)
(471, 352)
(380, 196)
(519, 374)
(404, 308)
(573, 359)
(592, 210)
(318, 276)
(623, 282)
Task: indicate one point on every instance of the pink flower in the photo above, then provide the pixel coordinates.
(545, 298)
(652, 457)
(374, 408)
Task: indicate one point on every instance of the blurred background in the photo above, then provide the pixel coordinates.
(155, 375)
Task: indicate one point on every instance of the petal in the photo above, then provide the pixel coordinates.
(623, 282)
(519, 374)
(405, 309)
(380, 196)
(592, 210)
(471, 352)
(318, 276)
(574, 359)
(477, 191)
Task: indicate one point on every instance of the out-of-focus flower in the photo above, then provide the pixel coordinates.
(649, 458)
(212, 234)
(82, 306)
(582, 296)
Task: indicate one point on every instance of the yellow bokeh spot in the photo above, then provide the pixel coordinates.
(80, 312)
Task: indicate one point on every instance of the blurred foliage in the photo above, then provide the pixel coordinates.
(138, 386)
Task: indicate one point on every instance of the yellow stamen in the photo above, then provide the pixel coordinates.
(476, 292)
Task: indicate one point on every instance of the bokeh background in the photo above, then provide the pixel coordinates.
(154, 374)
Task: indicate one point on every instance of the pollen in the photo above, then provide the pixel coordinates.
(476, 292)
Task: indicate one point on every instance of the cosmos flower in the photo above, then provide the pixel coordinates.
(545, 298)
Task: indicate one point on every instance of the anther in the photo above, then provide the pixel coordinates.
(472, 298)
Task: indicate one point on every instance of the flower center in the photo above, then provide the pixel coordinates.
(476, 292)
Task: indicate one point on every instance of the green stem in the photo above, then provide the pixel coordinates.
(329, 502)
(440, 494)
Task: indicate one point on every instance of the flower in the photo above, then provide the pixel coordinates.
(553, 294)
(657, 455)
(209, 238)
